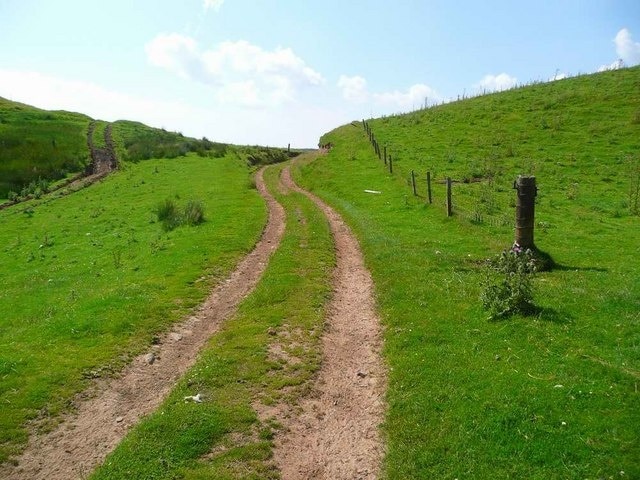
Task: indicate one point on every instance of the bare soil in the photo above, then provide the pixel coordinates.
(334, 432)
(112, 407)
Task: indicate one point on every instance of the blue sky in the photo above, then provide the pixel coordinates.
(274, 72)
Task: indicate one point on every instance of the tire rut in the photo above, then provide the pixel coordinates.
(337, 435)
(84, 439)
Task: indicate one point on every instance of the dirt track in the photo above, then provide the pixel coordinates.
(336, 435)
(84, 439)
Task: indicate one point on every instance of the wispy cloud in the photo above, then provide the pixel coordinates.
(492, 83)
(212, 4)
(355, 90)
(55, 93)
(558, 76)
(613, 66)
(241, 72)
(415, 96)
(626, 48)
(286, 124)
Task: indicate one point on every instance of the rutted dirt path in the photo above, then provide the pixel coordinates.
(84, 439)
(336, 435)
(103, 160)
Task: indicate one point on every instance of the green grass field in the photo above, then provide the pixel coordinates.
(223, 438)
(88, 279)
(553, 395)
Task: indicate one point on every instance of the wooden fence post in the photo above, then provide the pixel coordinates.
(429, 186)
(390, 164)
(413, 182)
(385, 154)
(525, 210)
(449, 206)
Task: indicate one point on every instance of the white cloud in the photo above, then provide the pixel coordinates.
(297, 124)
(212, 4)
(354, 89)
(626, 48)
(416, 96)
(558, 76)
(176, 53)
(492, 83)
(242, 73)
(618, 64)
(54, 93)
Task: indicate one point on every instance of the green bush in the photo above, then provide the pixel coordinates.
(507, 285)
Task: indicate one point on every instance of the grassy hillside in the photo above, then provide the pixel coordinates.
(37, 143)
(580, 137)
(552, 395)
(88, 279)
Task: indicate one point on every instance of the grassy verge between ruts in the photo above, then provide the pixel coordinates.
(550, 396)
(87, 280)
(248, 361)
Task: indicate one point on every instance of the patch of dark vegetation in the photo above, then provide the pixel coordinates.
(267, 155)
(140, 142)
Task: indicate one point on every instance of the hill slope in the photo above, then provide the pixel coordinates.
(551, 395)
(579, 135)
(37, 143)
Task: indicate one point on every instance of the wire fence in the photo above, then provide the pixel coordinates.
(478, 201)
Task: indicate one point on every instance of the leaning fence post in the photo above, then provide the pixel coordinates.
(413, 183)
(429, 186)
(525, 210)
(449, 206)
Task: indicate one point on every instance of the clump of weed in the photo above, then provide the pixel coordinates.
(171, 216)
(193, 213)
(507, 283)
(168, 214)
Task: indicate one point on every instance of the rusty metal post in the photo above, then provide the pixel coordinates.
(525, 210)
